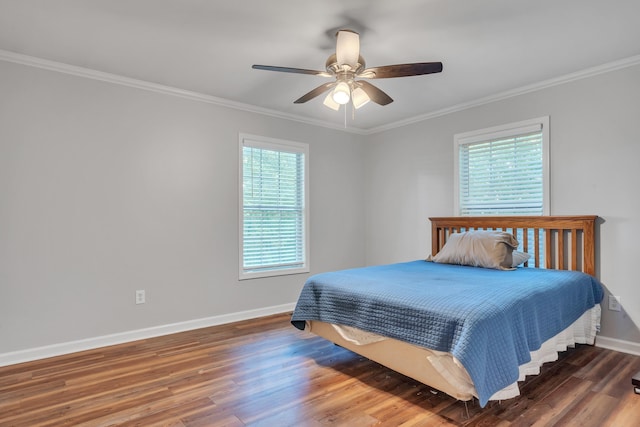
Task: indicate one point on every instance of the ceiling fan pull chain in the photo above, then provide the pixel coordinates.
(345, 116)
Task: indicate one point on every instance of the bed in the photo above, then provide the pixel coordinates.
(467, 330)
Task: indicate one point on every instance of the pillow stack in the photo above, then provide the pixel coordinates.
(482, 248)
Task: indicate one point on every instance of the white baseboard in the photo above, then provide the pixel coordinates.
(37, 353)
(618, 345)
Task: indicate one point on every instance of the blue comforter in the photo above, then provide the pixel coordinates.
(490, 320)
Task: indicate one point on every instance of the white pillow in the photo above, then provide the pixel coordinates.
(519, 258)
(479, 248)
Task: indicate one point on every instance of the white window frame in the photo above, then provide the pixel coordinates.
(511, 129)
(284, 146)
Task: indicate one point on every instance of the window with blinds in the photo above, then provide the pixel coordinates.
(503, 170)
(273, 198)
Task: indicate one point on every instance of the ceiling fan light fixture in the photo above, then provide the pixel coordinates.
(329, 102)
(342, 93)
(359, 97)
(347, 48)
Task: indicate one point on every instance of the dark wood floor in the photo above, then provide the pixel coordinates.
(264, 372)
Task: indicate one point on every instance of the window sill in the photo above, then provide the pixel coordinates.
(273, 273)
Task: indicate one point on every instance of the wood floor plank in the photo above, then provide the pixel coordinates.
(616, 382)
(592, 411)
(555, 405)
(264, 373)
(627, 413)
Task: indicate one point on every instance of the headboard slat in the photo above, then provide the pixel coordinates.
(574, 249)
(548, 251)
(536, 233)
(525, 243)
(561, 239)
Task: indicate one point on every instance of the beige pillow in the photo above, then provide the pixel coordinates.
(480, 248)
(519, 258)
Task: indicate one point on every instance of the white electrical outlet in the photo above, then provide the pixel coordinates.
(614, 303)
(140, 297)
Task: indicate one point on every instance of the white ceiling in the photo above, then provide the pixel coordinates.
(488, 47)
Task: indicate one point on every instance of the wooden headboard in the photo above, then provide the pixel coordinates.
(567, 242)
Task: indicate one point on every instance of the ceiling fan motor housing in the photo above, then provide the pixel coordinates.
(333, 67)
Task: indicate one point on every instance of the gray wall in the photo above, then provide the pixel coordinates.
(594, 152)
(105, 189)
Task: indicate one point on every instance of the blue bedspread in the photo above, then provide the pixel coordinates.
(490, 320)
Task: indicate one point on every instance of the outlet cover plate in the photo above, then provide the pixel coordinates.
(140, 297)
(614, 303)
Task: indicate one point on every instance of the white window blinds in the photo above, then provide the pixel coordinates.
(502, 172)
(273, 200)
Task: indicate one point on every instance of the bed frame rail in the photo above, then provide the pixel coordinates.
(556, 242)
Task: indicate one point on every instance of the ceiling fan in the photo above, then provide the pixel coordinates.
(346, 65)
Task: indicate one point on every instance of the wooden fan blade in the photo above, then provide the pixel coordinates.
(315, 92)
(375, 94)
(401, 70)
(291, 70)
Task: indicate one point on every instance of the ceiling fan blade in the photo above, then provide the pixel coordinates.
(401, 70)
(291, 70)
(315, 92)
(375, 94)
(348, 48)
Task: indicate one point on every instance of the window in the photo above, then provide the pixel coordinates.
(273, 204)
(503, 170)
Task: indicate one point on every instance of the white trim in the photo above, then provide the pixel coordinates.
(567, 78)
(618, 345)
(274, 143)
(528, 126)
(167, 90)
(37, 353)
(32, 61)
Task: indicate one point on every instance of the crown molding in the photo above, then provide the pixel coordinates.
(89, 73)
(567, 78)
(46, 64)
